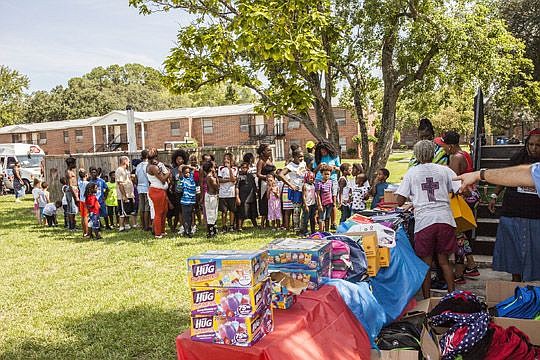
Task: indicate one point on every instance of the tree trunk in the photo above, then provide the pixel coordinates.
(386, 137)
(364, 155)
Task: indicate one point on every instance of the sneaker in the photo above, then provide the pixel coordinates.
(439, 286)
(460, 280)
(158, 236)
(193, 229)
(471, 272)
(127, 227)
(121, 228)
(136, 226)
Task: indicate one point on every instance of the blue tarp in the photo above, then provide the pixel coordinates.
(392, 288)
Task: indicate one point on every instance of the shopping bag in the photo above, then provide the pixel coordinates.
(462, 213)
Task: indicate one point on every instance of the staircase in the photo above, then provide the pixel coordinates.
(491, 156)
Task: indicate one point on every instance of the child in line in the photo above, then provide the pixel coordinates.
(50, 213)
(246, 197)
(35, 194)
(189, 193)
(112, 202)
(64, 189)
(43, 199)
(359, 193)
(325, 198)
(197, 208)
(92, 204)
(310, 203)
(211, 198)
(295, 171)
(83, 210)
(377, 191)
(343, 192)
(227, 191)
(274, 201)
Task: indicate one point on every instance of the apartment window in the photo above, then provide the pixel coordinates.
(340, 117)
(293, 124)
(66, 136)
(16, 138)
(208, 127)
(343, 144)
(42, 138)
(78, 136)
(175, 128)
(244, 123)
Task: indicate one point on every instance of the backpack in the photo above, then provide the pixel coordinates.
(358, 269)
(399, 335)
(341, 259)
(525, 304)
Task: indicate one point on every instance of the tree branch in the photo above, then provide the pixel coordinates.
(422, 68)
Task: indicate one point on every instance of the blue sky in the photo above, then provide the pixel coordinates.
(52, 41)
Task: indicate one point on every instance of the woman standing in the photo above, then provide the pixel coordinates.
(461, 163)
(18, 184)
(158, 178)
(179, 158)
(265, 166)
(517, 248)
(325, 154)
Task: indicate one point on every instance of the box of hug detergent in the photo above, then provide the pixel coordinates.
(228, 268)
(231, 302)
(238, 331)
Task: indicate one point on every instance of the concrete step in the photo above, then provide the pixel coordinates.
(490, 239)
(486, 226)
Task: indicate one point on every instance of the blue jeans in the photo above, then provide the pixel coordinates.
(308, 215)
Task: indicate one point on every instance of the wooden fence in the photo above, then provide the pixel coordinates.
(55, 165)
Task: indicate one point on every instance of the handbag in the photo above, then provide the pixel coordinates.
(462, 213)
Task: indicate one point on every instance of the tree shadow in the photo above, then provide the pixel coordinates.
(139, 333)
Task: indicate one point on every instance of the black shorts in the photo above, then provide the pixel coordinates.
(126, 208)
(227, 204)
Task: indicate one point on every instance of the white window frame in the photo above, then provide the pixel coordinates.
(208, 126)
(175, 128)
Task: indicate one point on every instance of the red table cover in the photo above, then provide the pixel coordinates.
(318, 326)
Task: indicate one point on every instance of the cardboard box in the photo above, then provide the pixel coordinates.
(299, 253)
(369, 242)
(283, 302)
(390, 196)
(231, 302)
(228, 268)
(497, 291)
(395, 354)
(384, 256)
(232, 331)
(373, 265)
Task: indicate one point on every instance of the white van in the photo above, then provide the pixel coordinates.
(28, 155)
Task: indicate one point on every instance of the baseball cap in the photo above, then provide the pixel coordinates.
(451, 138)
(439, 141)
(310, 145)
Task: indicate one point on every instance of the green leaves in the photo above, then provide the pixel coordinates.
(12, 87)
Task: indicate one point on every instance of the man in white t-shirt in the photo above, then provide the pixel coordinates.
(227, 190)
(428, 185)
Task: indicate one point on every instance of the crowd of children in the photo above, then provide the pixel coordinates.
(198, 189)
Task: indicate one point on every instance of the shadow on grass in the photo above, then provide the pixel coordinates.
(138, 333)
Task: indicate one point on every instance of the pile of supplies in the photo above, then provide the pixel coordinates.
(461, 325)
(231, 297)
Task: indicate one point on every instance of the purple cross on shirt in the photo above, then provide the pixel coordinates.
(430, 186)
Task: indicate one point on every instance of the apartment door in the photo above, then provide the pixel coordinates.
(260, 128)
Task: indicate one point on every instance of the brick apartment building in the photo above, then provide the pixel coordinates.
(209, 126)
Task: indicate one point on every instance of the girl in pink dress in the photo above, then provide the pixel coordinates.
(274, 201)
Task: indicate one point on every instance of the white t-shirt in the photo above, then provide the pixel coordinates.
(226, 189)
(428, 185)
(296, 173)
(35, 194)
(358, 195)
(49, 209)
(123, 176)
(42, 198)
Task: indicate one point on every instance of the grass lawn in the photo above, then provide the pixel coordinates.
(123, 297)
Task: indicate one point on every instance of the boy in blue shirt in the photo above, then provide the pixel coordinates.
(189, 192)
(377, 191)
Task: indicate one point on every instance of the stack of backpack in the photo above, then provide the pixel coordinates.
(349, 260)
(525, 304)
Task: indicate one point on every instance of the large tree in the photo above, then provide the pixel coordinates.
(297, 54)
(12, 87)
(105, 89)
